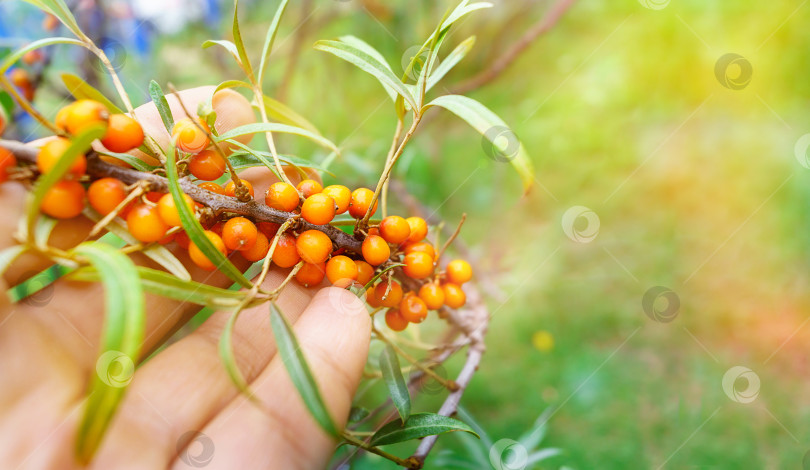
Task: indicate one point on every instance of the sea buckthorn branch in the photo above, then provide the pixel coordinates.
(448, 384)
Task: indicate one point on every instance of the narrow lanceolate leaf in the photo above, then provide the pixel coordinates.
(280, 112)
(250, 158)
(120, 343)
(299, 371)
(12, 58)
(193, 228)
(227, 45)
(229, 358)
(269, 38)
(80, 144)
(42, 232)
(419, 425)
(135, 162)
(82, 90)
(280, 128)
(162, 105)
(357, 413)
(374, 53)
(397, 388)
(240, 45)
(450, 61)
(369, 64)
(59, 9)
(505, 144)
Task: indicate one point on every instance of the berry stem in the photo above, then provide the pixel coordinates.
(27, 106)
(450, 240)
(448, 384)
(259, 95)
(397, 134)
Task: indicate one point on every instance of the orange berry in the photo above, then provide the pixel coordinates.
(395, 320)
(419, 229)
(64, 200)
(395, 229)
(310, 274)
(422, 246)
(217, 228)
(145, 223)
(50, 22)
(432, 295)
(313, 246)
(199, 257)
(375, 250)
(365, 272)
(32, 57)
(394, 296)
(20, 78)
(230, 188)
(207, 165)
(371, 298)
(454, 297)
(286, 253)
(259, 250)
(239, 234)
(123, 133)
(318, 209)
(62, 116)
(182, 240)
(458, 271)
(281, 196)
(154, 196)
(341, 195)
(361, 199)
(106, 194)
(341, 268)
(168, 210)
(374, 231)
(84, 114)
(213, 187)
(418, 265)
(269, 229)
(168, 239)
(309, 187)
(188, 136)
(7, 161)
(412, 308)
(52, 152)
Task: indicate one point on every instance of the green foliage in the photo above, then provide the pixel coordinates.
(162, 105)
(81, 90)
(397, 388)
(417, 426)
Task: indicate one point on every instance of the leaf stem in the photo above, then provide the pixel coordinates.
(407, 463)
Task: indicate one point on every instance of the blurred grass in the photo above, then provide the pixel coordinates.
(695, 185)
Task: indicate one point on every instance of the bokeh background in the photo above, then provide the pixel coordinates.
(682, 171)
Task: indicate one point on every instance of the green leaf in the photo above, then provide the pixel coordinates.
(253, 158)
(419, 425)
(59, 9)
(299, 371)
(82, 90)
(269, 38)
(194, 230)
(228, 45)
(135, 162)
(240, 46)
(397, 388)
(228, 357)
(278, 111)
(489, 125)
(357, 413)
(42, 232)
(80, 144)
(259, 127)
(12, 58)
(368, 63)
(450, 61)
(162, 105)
(121, 342)
(231, 84)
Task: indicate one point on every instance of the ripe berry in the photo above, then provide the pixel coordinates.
(286, 253)
(371, 298)
(318, 209)
(188, 137)
(64, 200)
(375, 250)
(154, 196)
(7, 161)
(313, 246)
(281, 196)
(50, 22)
(309, 187)
(168, 210)
(230, 188)
(207, 165)
(84, 114)
(341, 195)
(259, 250)
(365, 272)
(105, 195)
(422, 246)
(361, 199)
(341, 269)
(213, 187)
(52, 152)
(145, 223)
(182, 240)
(269, 229)
(432, 295)
(394, 320)
(32, 57)
(310, 274)
(239, 234)
(20, 78)
(123, 133)
(199, 257)
(454, 297)
(419, 229)
(412, 308)
(418, 265)
(394, 296)
(395, 229)
(458, 271)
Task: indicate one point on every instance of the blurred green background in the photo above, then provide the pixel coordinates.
(696, 186)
